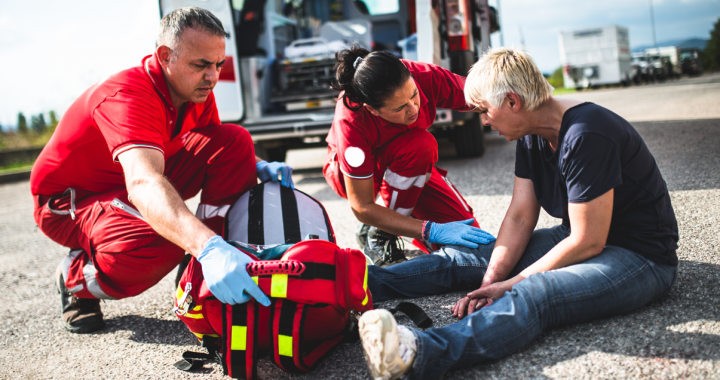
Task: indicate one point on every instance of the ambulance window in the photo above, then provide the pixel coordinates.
(377, 7)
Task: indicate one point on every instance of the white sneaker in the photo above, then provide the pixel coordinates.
(389, 349)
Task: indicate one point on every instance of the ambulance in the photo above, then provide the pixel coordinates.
(280, 58)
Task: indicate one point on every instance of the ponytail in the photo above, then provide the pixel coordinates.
(367, 78)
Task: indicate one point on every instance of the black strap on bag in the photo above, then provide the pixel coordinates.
(411, 310)
(193, 361)
(414, 312)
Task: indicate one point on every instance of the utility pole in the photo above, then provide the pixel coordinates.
(652, 24)
(499, 17)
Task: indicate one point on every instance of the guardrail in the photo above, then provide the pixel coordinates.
(9, 157)
(17, 156)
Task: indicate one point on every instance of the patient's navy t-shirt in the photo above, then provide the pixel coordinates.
(598, 151)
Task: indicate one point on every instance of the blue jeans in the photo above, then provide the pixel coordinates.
(613, 282)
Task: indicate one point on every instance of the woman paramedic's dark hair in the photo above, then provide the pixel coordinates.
(372, 81)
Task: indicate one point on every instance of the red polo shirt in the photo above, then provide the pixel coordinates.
(354, 136)
(130, 109)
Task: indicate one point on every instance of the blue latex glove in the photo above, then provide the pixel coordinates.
(268, 171)
(224, 268)
(458, 233)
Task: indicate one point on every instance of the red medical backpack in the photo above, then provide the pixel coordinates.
(314, 288)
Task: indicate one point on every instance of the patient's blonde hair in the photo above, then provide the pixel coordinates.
(504, 70)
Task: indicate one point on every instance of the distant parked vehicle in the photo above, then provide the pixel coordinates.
(641, 69)
(669, 63)
(690, 62)
(597, 56)
(660, 66)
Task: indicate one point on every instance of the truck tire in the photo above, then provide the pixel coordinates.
(469, 138)
(277, 153)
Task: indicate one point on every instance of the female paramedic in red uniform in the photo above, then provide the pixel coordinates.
(379, 145)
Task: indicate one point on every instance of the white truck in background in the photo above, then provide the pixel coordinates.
(280, 55)
(595, 56)
(668, 60)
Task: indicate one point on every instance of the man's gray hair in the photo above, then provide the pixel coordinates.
(174, 24)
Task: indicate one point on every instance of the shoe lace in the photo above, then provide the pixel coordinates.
(86, 304)
(391, 250)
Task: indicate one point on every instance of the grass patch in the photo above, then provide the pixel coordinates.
(14, 140)
(17, 167)
(563, 91)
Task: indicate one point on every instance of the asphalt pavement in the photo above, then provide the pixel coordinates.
(675, 337)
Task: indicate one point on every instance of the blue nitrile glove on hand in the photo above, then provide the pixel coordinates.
(224, 268)
(268, 171)
(459, 233)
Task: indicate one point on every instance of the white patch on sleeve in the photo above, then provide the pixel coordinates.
(354, 156)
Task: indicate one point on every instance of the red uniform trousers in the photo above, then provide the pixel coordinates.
(408, 182)
(115, 253)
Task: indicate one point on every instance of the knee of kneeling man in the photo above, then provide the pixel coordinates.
(235, 130)
(237, 133)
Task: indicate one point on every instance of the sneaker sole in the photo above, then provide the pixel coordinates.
(377, 324)
(83, 329)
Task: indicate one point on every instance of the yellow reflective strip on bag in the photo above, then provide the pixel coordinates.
(193, 316)
(202, 335)
(278, 286)
(197, 308)
(179, 293)
(285, 345)
(255, 278)
(239, 338)
(365, 301)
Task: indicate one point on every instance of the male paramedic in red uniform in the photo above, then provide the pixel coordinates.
(111, 182)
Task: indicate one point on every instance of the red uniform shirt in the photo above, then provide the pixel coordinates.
(354, 136)
(131, 109)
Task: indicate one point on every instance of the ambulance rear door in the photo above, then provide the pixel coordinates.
(228, 91)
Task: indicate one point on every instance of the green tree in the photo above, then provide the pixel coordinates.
(38, 123)
(22, 126)
(53, 119)
(556, 79)
(711, 55)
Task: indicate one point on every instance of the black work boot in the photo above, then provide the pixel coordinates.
(79, 315)
(361, 235)
(382, 248)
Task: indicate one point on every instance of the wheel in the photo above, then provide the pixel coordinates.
(277, 153)
(469, 138)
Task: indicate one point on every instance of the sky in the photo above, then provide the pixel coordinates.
(51, 51)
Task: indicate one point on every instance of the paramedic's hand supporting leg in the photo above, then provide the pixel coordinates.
(459, 233)
(163, 208)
